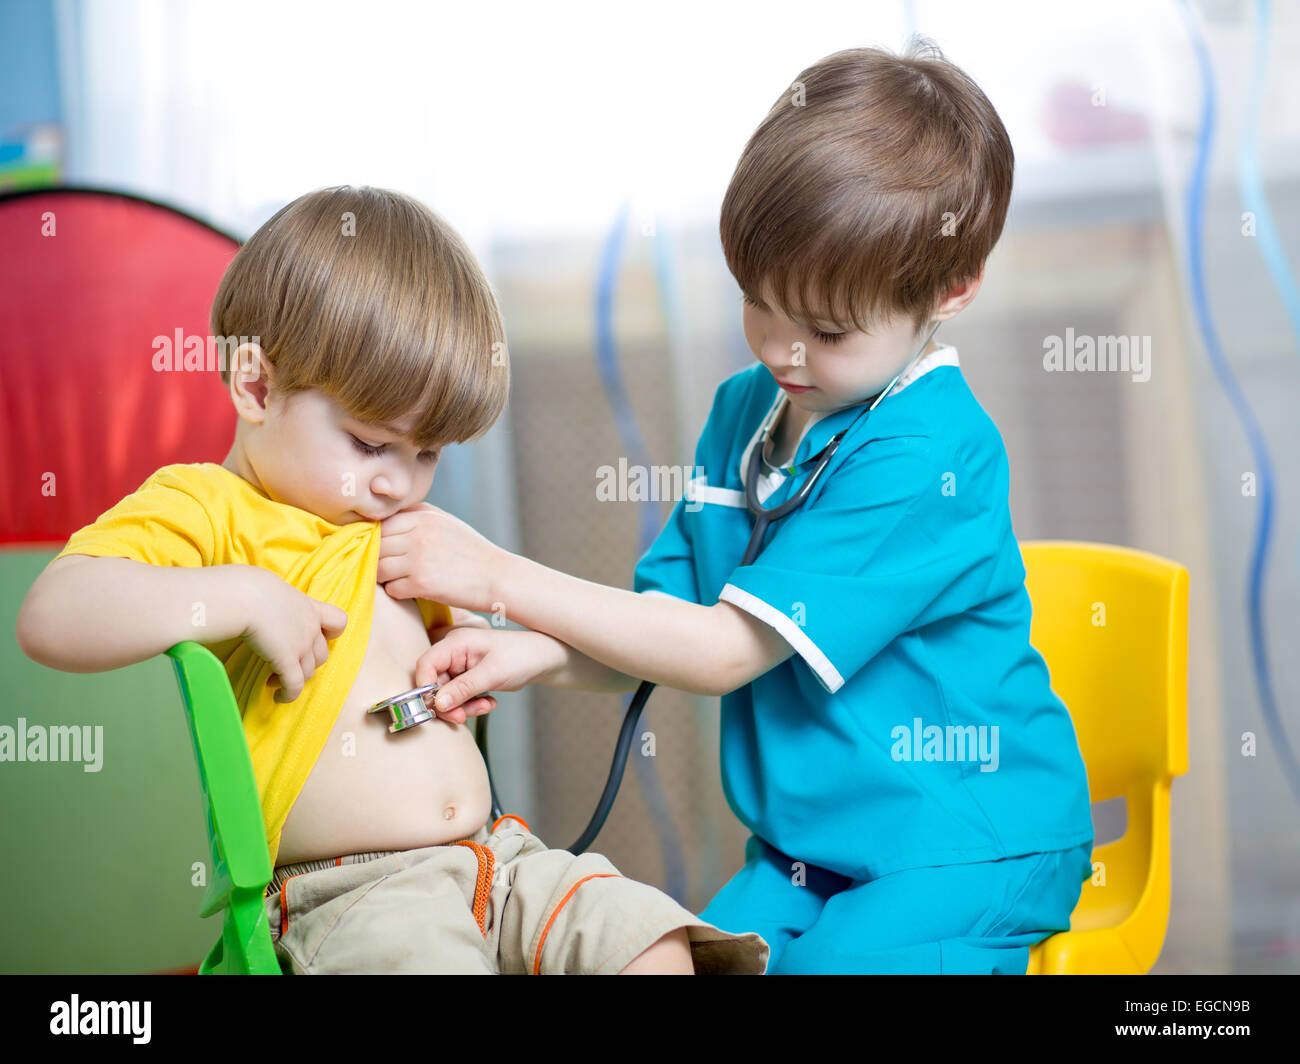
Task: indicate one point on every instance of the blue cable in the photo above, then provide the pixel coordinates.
(709, 870)
(1259, 451)
(611, 379)
(1252, 185)
(1255, 200)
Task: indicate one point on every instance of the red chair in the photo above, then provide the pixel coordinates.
(89, 283)
(94, 285)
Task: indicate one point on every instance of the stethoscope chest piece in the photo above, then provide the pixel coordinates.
(407, 709)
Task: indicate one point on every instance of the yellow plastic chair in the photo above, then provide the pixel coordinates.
(1112, 625)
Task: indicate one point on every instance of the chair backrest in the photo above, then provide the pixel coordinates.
(238, 837)
(1112, 625)
(90, 281)
(93, 286)
(241, 864)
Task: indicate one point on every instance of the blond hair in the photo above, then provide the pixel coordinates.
(371, 297)
(877, 183)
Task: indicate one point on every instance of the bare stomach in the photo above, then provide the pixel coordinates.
(373, 790)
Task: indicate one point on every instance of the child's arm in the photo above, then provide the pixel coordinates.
(705, 649)
(467, 619)
(467, 662)
(709, 650)
(91, 614)
(576, 672)
(582, 673)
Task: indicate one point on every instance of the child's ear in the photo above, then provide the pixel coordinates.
(958, 297)
(250, 381)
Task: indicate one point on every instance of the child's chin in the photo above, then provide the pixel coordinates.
(348, 517)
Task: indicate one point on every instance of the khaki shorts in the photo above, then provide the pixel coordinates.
(501, 902)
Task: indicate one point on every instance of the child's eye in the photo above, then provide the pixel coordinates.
(366, 448)
(822, 337)
(427, 457)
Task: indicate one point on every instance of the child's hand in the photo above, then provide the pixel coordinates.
(426, 553)
(289, 630)
(463, 619)
(467, 662)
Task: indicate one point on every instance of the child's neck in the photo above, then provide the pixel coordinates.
(238, 464)
(790, 426)
(793, 420)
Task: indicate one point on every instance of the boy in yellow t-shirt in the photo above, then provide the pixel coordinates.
(377, 340)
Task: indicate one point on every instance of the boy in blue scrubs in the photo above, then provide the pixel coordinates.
(914, 788)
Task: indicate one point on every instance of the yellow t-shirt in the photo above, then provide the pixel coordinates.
(203, 514)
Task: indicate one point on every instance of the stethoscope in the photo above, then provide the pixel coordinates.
(408, 709)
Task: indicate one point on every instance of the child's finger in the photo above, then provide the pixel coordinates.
(479, 706)
(432, 666)
(466, 687)
(448, 653)
(333, 620)
(291, 681)
(474, 708)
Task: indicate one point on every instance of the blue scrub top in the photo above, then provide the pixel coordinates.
(914, 725)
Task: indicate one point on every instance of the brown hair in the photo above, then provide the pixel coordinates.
(388, 312)
(877, 184)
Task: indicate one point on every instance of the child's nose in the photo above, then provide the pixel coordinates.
(779, 352)
(391, 485)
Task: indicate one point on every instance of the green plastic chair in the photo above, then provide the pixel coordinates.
(241, 865)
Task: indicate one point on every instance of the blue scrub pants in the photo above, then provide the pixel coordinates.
(966, 919)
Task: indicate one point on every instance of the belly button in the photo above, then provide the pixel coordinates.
(449, 813)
